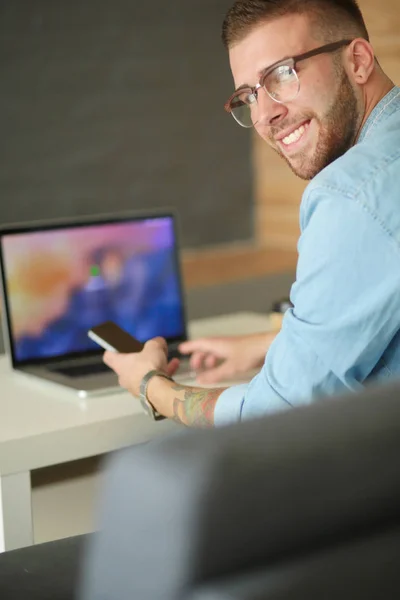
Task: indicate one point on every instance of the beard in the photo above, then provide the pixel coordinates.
(338, 129)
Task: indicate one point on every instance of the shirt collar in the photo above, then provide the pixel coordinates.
(386, 107)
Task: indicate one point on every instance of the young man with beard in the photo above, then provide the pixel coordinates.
(307, 80)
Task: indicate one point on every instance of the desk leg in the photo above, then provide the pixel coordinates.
(16, 526)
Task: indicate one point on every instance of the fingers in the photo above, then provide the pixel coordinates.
(201, 360)
(200, 345)
(110, 359)
(173, 366)
(221, 373)
(206, 352)
(196, 361)
(210, 361)
(159, 341)
(131, 367)
(117, 361)
(186, 347)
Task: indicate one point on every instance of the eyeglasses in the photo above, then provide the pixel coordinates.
(280, 81)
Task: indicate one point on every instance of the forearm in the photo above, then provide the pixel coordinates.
(190, 406)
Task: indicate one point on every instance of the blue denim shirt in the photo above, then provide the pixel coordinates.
(344, 329)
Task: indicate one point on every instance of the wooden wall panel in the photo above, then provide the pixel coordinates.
(234, 262)
(277, 198)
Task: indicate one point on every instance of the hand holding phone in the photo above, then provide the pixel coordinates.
(112, 337)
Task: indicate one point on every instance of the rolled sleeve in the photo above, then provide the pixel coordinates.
(247, 401)
(229, 405)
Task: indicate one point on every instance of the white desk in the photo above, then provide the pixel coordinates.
(42, 424)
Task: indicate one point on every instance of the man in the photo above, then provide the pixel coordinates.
(306, 78)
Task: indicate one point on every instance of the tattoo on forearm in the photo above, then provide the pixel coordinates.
(195, 406)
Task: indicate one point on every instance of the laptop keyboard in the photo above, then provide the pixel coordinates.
(82, 370)
(86, 370)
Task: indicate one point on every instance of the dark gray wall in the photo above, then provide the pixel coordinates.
(108, 105)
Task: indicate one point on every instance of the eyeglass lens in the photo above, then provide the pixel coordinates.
(282, 85)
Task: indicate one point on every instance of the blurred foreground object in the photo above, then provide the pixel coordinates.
(305, 504)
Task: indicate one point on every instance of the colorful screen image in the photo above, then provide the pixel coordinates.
(62, 282)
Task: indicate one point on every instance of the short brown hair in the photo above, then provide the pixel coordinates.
(334, 18)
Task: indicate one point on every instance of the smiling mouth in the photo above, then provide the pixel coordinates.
(295, 136)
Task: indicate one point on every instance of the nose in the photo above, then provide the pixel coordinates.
(269, 112)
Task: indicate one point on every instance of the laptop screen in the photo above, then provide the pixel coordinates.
(61, 281)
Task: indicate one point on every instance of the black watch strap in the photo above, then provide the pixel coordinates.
(144, 401)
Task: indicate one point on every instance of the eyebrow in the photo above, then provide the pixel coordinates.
(245, 86)
(276, 63)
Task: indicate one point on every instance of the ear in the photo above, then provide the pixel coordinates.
(361, 60)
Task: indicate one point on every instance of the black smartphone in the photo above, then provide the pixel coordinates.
(111, 336)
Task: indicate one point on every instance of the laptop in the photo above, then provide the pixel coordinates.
(59, 279)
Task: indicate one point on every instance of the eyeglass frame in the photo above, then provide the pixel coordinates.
(290, 62)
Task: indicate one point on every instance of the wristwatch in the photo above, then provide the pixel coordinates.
(144, 401)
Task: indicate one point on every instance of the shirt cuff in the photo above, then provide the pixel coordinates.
(229, 405)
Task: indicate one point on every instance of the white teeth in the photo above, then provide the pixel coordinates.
(295, 136)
